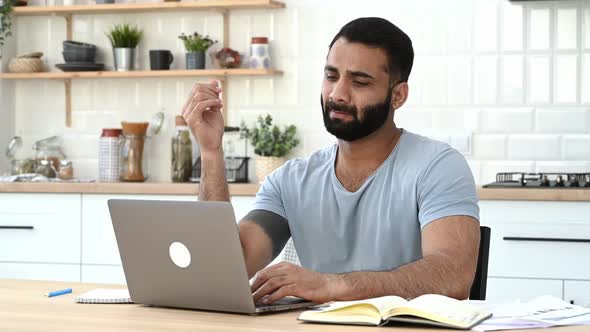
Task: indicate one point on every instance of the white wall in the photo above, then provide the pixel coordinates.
(516, 75)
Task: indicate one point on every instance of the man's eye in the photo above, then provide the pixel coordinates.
(331, 77)
(361, 83)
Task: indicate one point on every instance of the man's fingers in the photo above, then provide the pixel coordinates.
(270, 287)
(286, 290)
(197, 89)
(265, 275)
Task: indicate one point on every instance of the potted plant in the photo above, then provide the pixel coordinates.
(271, 144)
(5, 21)
(196, 45)
(124, 39)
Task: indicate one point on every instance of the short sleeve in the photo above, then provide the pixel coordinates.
(269, 196)
(447, 188)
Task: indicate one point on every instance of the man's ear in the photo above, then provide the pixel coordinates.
(399, 95)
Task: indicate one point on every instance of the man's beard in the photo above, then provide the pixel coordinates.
(352, 130)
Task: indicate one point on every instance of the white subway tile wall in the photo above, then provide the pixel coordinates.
(516, 75)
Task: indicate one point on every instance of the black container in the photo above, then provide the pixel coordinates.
(236, 170)
(160, 59)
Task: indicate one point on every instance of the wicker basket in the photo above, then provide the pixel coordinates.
(266, 165)
(25, 65)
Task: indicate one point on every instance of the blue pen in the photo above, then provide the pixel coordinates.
(59, 292)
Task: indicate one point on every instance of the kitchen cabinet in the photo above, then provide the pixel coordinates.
(577, 292)
(68, 237)
(509, 289)
(40, 228)
(538, 248)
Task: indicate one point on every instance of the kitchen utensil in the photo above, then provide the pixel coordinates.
(15, 144)
(155, 124)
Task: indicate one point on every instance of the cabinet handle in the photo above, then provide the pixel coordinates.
(545, 239)
(16, 227)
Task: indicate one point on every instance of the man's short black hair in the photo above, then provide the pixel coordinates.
(380, 33)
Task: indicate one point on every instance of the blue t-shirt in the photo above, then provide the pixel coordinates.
(378, 227)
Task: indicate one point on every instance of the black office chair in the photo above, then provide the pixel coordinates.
(478, 288)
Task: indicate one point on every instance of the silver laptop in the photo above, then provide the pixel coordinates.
(187, 255)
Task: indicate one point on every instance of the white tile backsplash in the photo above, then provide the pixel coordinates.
(512, 84)
(534, 147)
(585, 79)
(515, 75)
(489, 147)
(576, 147)
(540, 28)
(512, 27)
(566, 79)
(539, 80)
(567, 28)
(561, 120)
(486, 18)
(485, 79)
(507, 120)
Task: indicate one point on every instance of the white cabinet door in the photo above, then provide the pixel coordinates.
(544, 251)
(99, 245)
(32, 271)
(511, 289)
(40, 228)
(577, 292)
(103, 274)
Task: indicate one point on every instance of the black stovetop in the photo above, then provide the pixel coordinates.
(541, 180)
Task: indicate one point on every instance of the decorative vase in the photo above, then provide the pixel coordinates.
(266, 165)
(124, 58)
(195, 60)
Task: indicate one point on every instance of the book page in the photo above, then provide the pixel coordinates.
(382, 304)
(443, 309)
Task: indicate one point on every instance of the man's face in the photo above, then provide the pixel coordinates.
(356, 93)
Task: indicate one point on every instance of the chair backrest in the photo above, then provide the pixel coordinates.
(478, 288)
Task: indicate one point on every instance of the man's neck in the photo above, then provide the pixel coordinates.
(370, 150)
(357, 160)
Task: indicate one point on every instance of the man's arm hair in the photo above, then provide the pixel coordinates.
(213, 186)
(450, 250)
(263, 235)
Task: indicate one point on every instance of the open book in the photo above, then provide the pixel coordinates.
(428, 309)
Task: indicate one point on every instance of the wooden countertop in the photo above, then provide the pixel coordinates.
(24, 308)
(250, 189)
(520, 194)
(147, 188)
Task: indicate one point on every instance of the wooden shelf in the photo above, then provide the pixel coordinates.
(146, 7)
(141, 74)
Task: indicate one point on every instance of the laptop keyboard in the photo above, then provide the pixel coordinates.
(283, 301)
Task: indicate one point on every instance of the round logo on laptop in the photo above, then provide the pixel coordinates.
(180, 255)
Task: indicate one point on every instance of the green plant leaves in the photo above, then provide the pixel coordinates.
(124, 36)
(196, 42)
(5, 21)
(269, 140)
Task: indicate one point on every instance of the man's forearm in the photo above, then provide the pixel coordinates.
(435, 274)
(213, 186)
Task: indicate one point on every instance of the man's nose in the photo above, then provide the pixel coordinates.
(341, 92)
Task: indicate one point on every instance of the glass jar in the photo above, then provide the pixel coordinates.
(66, 170)
(134, 158)
(22, 166)
(182, 152)
(49, 149)
(45, 168)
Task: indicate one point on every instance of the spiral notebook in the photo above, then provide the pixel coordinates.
(104, 295)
